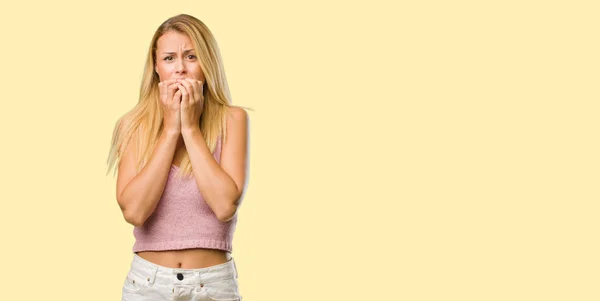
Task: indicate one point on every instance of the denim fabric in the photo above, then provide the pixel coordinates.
(148, 281)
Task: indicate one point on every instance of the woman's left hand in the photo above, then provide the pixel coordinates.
(192, 102)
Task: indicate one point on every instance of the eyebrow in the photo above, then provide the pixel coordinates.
(175, 52)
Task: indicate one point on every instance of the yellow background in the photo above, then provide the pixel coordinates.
(400, 150)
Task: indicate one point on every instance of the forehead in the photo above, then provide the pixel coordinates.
(173, 41)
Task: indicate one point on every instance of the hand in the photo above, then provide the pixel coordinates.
(192, 102)
(170, 98)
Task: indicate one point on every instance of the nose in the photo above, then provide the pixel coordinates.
(180, 67)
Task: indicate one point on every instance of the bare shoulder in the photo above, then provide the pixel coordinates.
(237, 115)
(237, 123)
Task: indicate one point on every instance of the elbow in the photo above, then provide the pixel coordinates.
(136, 222)
(229, 211)
(227, 214)
(132, 213)
(134, 219)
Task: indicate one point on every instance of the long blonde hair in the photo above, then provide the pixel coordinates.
(143, 123)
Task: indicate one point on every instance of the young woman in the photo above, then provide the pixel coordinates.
(182, 154)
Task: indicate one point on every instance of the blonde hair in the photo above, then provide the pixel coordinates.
(143, 123)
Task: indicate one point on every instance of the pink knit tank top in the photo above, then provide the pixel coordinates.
(183, 220)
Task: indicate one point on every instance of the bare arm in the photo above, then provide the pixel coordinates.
(138, 194)
(221, 184)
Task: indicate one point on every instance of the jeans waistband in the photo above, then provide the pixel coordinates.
(157, 273)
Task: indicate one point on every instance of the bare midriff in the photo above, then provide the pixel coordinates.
(187, 258)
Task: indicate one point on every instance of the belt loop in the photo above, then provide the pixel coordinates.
(152, 274)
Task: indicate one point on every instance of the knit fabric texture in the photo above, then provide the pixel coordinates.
(183, 220)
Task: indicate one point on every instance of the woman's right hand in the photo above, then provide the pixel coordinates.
(170, 97)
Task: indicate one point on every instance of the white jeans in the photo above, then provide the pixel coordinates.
(149, 281)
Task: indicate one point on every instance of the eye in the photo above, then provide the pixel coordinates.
(166, 58)
(192, 55)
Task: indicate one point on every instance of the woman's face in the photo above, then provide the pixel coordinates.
(176, 58)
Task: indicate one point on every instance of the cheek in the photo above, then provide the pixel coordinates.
(162, 70)
(194, 68)
(167, 69)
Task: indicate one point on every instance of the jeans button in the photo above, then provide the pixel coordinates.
(180, 276)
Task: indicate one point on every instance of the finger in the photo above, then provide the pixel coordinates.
(162, 87)
(196, 88)
(189, 84)
(167, 82)
(177, 99)
(189, 89)
(184, 94)
(171, 91)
